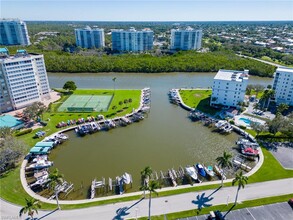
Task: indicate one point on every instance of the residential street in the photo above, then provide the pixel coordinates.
(163, 205)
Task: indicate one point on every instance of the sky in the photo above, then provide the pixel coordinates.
(151, 10)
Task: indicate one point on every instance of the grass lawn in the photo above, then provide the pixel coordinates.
(258, 95)
(223, 208)
(270, 170)
(199, 99)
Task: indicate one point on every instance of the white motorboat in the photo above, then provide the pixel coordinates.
(126, 178)
(62, 136)
(95, 126)
(191, 172)
(220, 123)
(41, 181)
(40, 164)
(40, 157)
(37, 175)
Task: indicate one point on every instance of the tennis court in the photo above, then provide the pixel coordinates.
(86, 103)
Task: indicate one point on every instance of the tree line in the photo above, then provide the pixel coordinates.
(188, 61)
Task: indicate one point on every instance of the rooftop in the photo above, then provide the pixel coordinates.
(285, 69)
(232, 75)
(132, 30)
(188, 29)
(4, 54)
(9, 121)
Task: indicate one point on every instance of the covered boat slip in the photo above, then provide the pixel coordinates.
(49, 144)
(40, 150)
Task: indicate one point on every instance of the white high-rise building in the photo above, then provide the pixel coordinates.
(229, 88)
(13, 32)
(132, 40)
(188, 39)
(283, 85)
(23, 80)
(90, 38)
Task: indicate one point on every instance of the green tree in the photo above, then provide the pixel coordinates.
(31, 205)
(276, 124)
(224, 162)
(241, 180)
(34, 110)
(70, 86)
(145, 177)
(266, 97)
(55, 178)
(257, 127)
(5, 131)
(282, 107)
(11, 151)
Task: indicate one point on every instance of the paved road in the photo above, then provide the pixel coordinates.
(263, 61)
(164, 205)
(279, 211)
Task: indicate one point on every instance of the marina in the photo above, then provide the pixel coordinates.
(165, 135)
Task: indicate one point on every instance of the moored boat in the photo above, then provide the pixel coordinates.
(126, 177)
(40, 164)
(200, 170)
(191, 172)
(219, 172)
(209, 171)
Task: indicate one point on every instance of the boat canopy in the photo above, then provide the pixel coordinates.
(40, 150)
(45, 144)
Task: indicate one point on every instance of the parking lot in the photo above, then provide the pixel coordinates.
(277, 211)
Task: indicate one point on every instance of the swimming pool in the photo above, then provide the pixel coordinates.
(11, 122)
(245, 120)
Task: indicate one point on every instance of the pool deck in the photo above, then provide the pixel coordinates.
(239, 122)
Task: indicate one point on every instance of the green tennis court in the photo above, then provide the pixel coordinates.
(86, 103)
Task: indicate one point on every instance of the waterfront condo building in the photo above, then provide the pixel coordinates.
(188, 39)
(132, 40)
(229, 88)
(90, 38)
(13, 32)
(23, 80)
(283, 85)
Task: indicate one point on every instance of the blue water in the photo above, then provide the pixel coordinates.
(245, 120)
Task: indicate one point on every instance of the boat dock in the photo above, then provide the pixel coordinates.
(118, 186)
(65, 187)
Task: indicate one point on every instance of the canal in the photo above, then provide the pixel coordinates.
(165, 139)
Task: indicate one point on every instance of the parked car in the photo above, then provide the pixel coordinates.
(290, 202)
(216, 215)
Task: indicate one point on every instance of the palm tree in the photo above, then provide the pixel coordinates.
(145, 176)
(266, 97)
(224, 162)
(153, 185)
(32, 205)
(55, 178)
(241, 180)
(282, 107)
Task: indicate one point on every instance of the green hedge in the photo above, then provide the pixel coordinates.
(22, 132)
